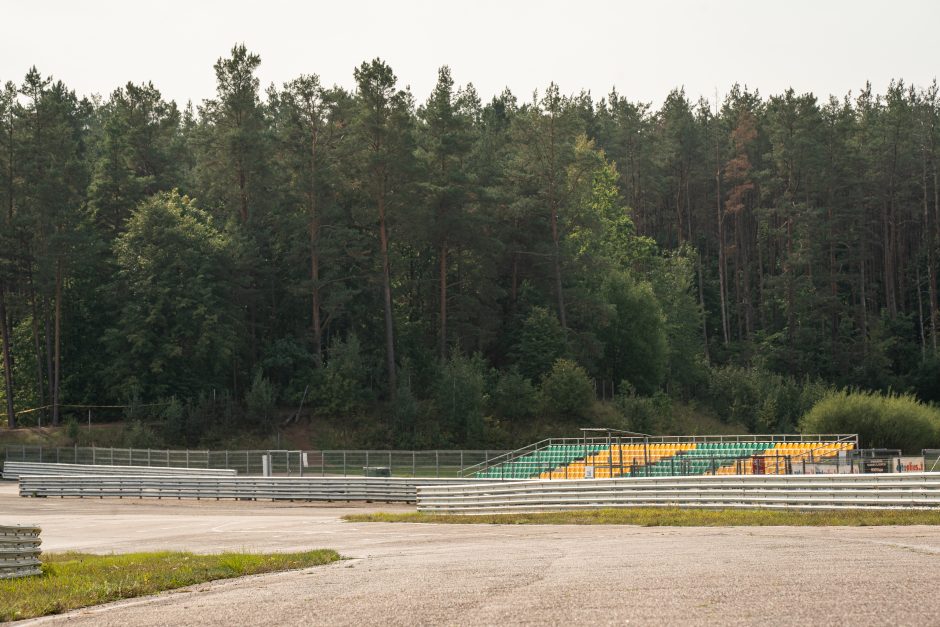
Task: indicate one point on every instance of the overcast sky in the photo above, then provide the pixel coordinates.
(644, 48)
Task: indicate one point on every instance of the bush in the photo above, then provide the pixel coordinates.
(459, 395)
(881, 421)
(762, 401)
(644, 414)
(514, 397)
(71, 429)
(541, 342)
(636, 348)
(261, 399)
(567, 390)
(342, 390)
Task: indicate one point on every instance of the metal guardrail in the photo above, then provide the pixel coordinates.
(15, 470)
(390, 490)
(919, 490)
(19, 551)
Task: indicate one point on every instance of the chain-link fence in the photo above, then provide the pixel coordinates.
(442, 463)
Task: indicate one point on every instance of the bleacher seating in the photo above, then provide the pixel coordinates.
(533, 464)
(663, 459)
(781, 456)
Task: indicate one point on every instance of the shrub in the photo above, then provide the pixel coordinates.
(342, 390)
(760, 400)
(567, 390)
(881, 421)
(514, 396)
(636, 348)
(459, 395)
(71, 429)
(261, 399)
(541, 342)
(644, 414)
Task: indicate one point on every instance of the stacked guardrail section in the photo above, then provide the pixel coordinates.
(243, 488)
(19, 551)
(15, 470)
(916, 490)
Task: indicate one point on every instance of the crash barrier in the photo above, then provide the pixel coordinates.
(427, 463)
(19, 551)
(920, 490)
(244, 488)
(15, 470)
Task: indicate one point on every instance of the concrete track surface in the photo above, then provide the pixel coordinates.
(406, 574)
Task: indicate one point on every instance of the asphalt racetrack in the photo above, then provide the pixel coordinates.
(408, 574)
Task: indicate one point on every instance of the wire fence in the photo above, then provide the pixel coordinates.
(343, 463)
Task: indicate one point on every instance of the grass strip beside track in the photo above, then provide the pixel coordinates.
(74, 580)
(674, 517)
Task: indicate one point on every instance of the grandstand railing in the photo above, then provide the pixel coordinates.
(616, 440)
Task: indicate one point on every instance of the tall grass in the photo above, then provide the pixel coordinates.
(881, 420)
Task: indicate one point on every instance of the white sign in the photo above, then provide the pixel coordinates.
(305, 460)
(589, 472)
(907, 464)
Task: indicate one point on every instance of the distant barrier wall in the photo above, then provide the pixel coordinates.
(914, 490)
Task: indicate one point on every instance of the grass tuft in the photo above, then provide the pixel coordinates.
(73, 580)
(674, 517)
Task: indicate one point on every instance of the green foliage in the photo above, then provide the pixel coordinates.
(514, 397)
(635, 345)
(730, 258)
(541, 341)
(566, 390)
(71, 429)
(644, 414)
(139, 435)
(762, 401)
(880, 420)
(460, 398)
(176, 333)
(340, 387)
(261, 399)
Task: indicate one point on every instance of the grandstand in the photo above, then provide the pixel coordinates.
(637, 455)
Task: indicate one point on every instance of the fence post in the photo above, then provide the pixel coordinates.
(344, 460)
(413, 465)
(390, 463)
(437, 464)
(461, 462)
(322, 464)
(94, 455)
(247, 471)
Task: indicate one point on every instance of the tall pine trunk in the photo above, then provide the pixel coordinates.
(387, 300)
(58, 344)
(442, 283)
(7, 361)
(315, 251)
